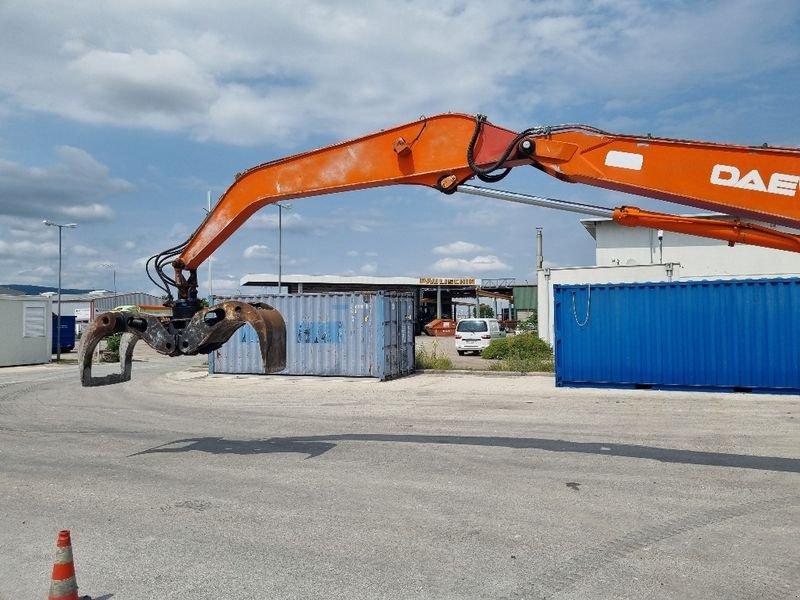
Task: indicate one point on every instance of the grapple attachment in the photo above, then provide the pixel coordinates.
(205, 332)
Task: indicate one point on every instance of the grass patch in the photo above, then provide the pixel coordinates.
(524, 353)
(111, 353)
(431, 359)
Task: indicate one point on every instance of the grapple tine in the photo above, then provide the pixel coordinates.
(133, 326)
(273, 342)
(210, 328)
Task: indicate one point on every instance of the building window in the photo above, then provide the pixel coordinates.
(33, 324)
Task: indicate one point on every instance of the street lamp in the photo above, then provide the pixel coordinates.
(282, 206)
(58, 319)
(113, 268)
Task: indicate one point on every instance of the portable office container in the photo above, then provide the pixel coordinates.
(732, 335)
(349, 335)
(26, 327)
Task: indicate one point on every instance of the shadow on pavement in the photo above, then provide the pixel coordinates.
(317, 445)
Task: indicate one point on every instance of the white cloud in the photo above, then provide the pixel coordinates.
(89, 212)
(369, 268)
(258, 251)
(28, 249)
(290, 222)
(81, 250)
(478, 264)
(457, 248)
(35, 276)
(228, 285)
(75, 188)
(203, 69)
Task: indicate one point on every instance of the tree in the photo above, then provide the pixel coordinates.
(485, 311)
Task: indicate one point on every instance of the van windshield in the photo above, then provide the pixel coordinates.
(472, 326)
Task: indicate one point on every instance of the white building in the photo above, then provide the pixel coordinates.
(637, 254)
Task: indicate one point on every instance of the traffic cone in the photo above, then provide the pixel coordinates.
(63, 585)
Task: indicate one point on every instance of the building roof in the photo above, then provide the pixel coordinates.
(270, 280)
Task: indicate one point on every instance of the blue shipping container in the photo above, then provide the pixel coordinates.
(67, 333)
(732, 335)
(347, 335)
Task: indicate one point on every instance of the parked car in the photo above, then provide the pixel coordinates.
(473, 335)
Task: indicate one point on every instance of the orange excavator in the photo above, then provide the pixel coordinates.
(445, 152)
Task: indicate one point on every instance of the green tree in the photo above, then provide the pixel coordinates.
(485, 311)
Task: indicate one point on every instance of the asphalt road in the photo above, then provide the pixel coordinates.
(179, 486)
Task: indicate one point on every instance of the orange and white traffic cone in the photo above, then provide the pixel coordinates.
(63, 585)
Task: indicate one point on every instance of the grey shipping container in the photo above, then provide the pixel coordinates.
(729, 335)
(348, 335)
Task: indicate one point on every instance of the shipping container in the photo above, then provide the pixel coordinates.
(348, 335)
(67, 333)
(730, 335)
(26, 329)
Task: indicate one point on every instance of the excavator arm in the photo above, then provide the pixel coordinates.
(444, 152)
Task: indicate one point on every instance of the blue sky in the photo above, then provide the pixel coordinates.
(121, 116)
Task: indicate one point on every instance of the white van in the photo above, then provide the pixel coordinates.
(473, 335)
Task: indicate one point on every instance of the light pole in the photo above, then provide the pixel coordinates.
(113, 268)
(282, 206)
(58, 319)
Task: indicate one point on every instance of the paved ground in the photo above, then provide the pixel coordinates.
(181, 486)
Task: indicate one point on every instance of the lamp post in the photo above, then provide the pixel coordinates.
(282, 206)
(113, 268)
(58, 318)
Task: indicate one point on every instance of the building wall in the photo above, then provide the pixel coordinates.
(21, 344)
(526, 301)
(589, 275)
(634, 255)
(618, 245)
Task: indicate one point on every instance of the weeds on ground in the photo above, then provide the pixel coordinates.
(431, 359)
(524, 353)
(111, 353)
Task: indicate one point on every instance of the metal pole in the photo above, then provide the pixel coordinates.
(586, 209)
(210, 285)
(58, 319)
(539, 249)
(280, 247)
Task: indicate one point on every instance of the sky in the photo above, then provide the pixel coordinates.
(122, 117)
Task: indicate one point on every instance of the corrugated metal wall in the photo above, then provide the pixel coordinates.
(349, 335)
(106, 303)
(741, 335)
(525, 297)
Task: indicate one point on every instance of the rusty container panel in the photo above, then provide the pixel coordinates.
(726, 335)
(347, 335)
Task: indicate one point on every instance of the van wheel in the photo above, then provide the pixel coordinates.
(461, 352)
